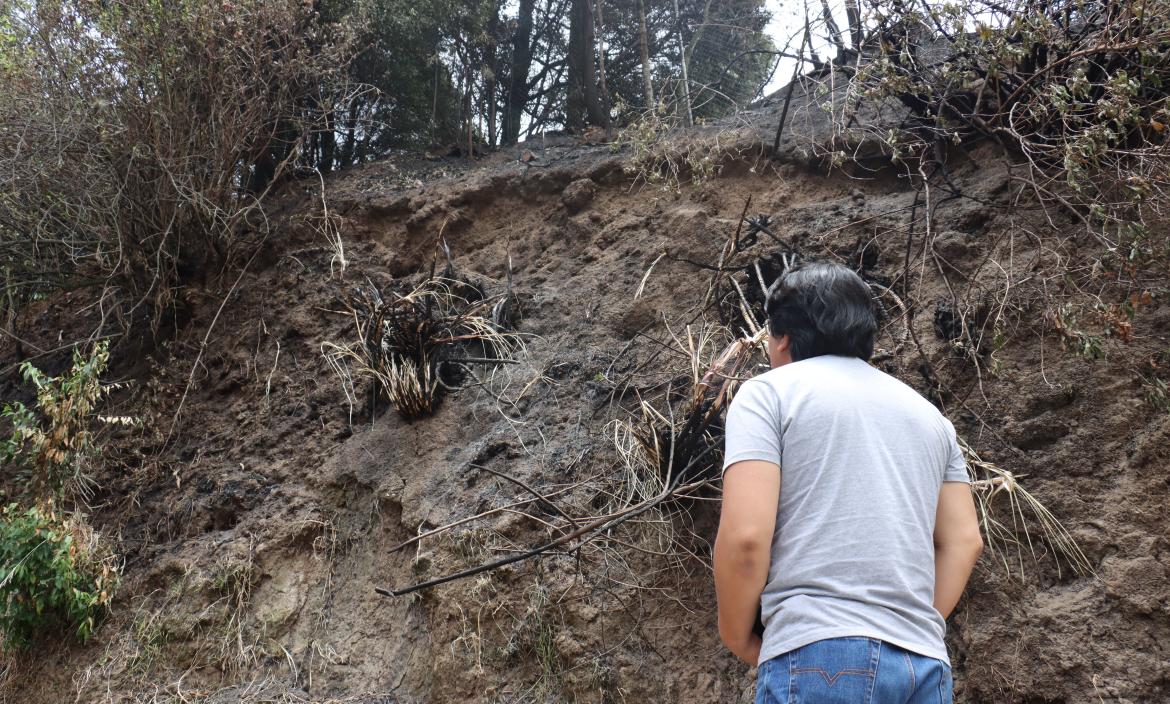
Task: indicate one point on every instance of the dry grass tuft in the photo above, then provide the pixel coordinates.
(993, 481)
(674, 439)
(666, 157)
(421, 344)
(667, 447)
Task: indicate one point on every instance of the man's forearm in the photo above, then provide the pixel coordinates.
(741, 570)
(952, 568)
(743, 551)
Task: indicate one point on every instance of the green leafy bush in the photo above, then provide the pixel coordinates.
(55, 571)
(54, 445)
(56, 574)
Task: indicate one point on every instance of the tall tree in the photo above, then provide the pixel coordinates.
(412, 99)
(517, 96)
(644, 52)
(491, 70)
(600, 43)
(583, 103)
(728, 55)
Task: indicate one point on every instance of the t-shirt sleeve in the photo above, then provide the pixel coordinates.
(753, 430)
(956, 470)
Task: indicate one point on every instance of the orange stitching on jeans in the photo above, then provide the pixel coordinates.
(833, 680)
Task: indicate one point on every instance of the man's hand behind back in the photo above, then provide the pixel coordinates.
(957, 544)
(743, 551)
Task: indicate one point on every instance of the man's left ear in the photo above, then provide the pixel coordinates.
(778, 350)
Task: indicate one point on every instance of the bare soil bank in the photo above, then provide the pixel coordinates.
(255, 535)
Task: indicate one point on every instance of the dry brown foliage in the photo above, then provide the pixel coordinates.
(138, 140)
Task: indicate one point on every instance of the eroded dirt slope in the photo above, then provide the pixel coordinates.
(255, 531)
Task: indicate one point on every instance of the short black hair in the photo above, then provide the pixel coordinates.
(824, 308)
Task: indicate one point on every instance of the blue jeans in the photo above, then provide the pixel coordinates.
(853, 671)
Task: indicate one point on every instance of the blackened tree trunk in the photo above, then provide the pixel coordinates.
(593, 104)
(489, 75)
(583, 102)
(521, 63)
(853, 12)
(682, 57)
(599, 34)
(326, 138)
(575, 90)
(349, 146)
(644, 47)
(328, 143)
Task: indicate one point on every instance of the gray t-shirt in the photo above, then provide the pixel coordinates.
(863, 458)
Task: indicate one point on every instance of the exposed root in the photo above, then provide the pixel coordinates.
(993, 481)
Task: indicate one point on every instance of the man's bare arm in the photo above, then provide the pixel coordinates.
(743, 551)
(957, 544)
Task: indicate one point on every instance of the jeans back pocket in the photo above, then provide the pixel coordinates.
(834, 671)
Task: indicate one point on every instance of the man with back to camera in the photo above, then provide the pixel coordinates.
(848, 523)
